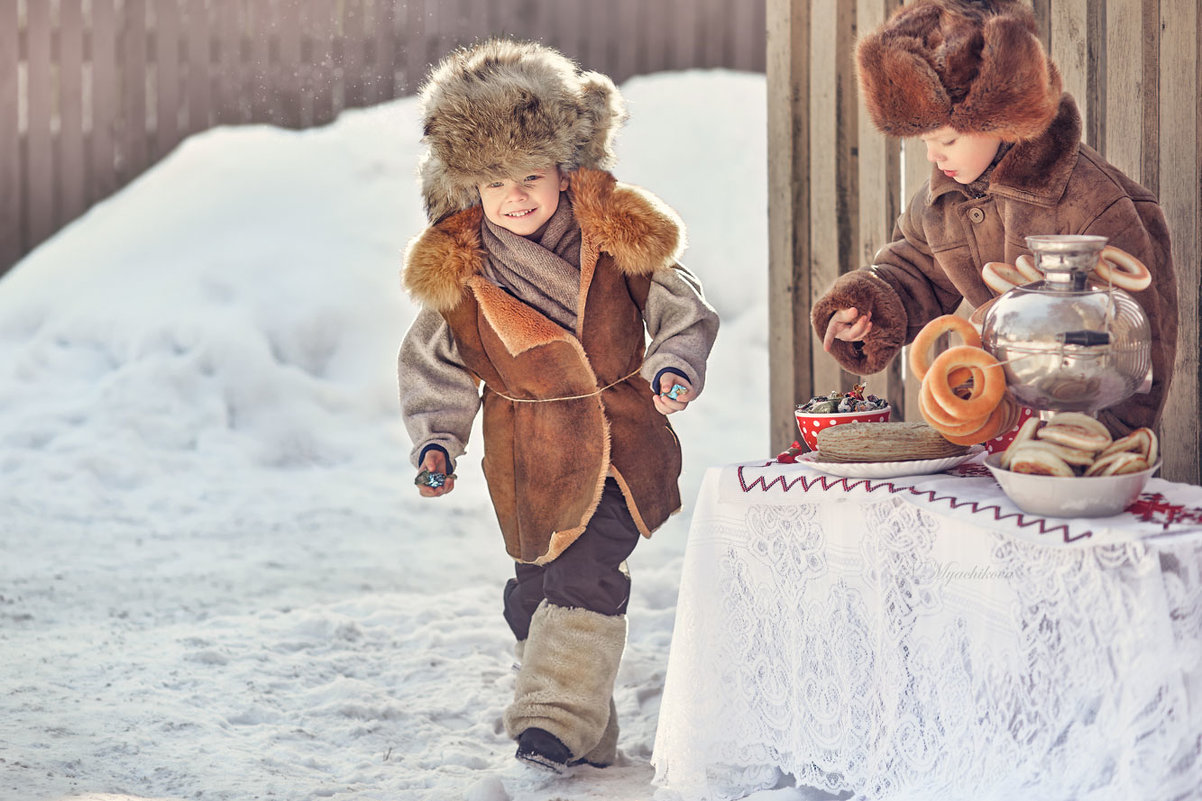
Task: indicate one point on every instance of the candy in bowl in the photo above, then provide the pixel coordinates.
(835, 408)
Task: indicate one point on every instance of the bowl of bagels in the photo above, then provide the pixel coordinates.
(1070, 466)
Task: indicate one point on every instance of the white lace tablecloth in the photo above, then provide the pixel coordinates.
(922, 638)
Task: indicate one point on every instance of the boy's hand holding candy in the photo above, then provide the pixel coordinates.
(674, 394)
(434, 479)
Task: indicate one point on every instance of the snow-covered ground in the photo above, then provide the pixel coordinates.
(217, 580)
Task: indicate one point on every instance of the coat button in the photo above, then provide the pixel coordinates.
(976, 215)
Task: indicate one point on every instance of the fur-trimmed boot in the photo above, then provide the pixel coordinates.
(606, 751)
(565, 684)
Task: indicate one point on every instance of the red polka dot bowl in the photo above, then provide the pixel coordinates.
(810, 424)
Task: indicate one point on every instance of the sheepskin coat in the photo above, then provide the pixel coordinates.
(1054, 184)
(563, 409)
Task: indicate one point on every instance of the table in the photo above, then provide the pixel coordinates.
(922, 638)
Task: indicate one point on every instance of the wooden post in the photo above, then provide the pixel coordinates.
(40, 170)
(879, 189)
(788, 90)
(106, 108)
(1180, 154)
(166, 70)
(834, 181)
(11, 246)
(200, 67)
(73, 195)
(134, 153)
(1076, 45)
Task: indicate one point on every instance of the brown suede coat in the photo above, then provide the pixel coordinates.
(1051, 185)
(563, 409)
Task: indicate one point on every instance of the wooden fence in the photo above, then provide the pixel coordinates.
(92, 92)
(836, 185)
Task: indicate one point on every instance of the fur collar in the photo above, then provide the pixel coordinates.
(1036, 171)
(637, 229)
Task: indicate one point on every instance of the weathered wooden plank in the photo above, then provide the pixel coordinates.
(1076, 40)
(714, 26)
(11, 243)
(413, 44)
(354, 57)
(228, 74)
(625, 25)
(318, 26)
(167, 72)
(133, 139)
(879, 192)
(73, 191)
(1180, 154)
(787, 64)
(198, 30)
(41, 173)
(198, 64)
(1150, 98)
(916, 171)
(261, 21)
(656, 49)
(833, 174)
(384, 52)
(106, 102)
(687, 34)
(287, 74)
(1124, 85)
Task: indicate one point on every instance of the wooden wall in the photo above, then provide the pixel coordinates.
(93, 92)
(836, 184)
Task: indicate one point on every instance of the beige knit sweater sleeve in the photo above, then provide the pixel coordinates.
(439, 396)
(681, 324)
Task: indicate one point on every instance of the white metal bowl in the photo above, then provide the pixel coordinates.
(1080, 496)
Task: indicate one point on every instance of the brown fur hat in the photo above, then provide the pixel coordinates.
(977, 66)
(501, 108)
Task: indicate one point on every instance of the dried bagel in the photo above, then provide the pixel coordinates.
(1117, 464)
(1031, 458)
(1075, 444)
(1141, 441)
(1074, 435)
(1081, 419)
(1026, 433)
(884, 442)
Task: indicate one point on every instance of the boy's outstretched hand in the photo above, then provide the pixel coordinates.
(435, 462)
(674, 394)
(847, 325)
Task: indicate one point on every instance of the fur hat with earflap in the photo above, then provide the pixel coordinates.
(978, 67)
(502, 108)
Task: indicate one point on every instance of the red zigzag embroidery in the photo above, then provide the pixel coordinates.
(831, 482)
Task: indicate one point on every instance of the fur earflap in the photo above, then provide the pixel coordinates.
(503, 108)
(978, 67)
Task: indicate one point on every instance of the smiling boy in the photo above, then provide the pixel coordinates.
(523, 206)
(971, 79)
(552, 300)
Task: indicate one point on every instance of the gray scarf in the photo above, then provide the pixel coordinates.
(543, 272)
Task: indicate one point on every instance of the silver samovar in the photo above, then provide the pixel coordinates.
(1065, 343)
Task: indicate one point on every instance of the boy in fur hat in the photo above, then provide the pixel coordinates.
(540, 278)
(972, 80)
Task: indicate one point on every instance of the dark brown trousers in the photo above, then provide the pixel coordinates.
(590, 574)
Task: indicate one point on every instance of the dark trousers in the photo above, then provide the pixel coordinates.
(590, 573)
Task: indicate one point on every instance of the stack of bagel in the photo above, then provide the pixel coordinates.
(1075, 444)
(963, 394)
